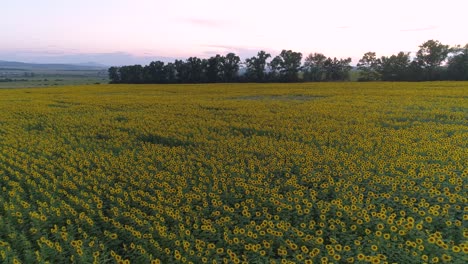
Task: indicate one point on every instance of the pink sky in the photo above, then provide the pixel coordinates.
(183, 28)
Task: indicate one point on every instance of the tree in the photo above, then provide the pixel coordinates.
(214, 69)
(256, 67)
(170, 73)
(182, 71)
(394, 68)
(368, 67)
(430, 55)
(427, 65)
(131, 74)
(274, 69)
(458, 64)
(114, 75)
(314, 67)
(154, 72)
(287, 64)
(337, 70)
(230, 66)
(414, 72)
(194, 68)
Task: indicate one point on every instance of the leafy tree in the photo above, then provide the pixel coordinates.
(368, 67)
(288, 64)
(414, 72)
(154, 72)
(428, 65)
(114, 75)
(394, 68)
(194, 68)
(337, 70)
(170, 73)
(314, 67)
(458, 64)
(230, 67)
(182, 71)
(214, 69)
(205, 70)
(131, 74)
(274, 69)
(256, 67)
(430, 55)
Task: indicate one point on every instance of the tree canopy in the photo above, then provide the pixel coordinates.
(256, 66)
(433, 61)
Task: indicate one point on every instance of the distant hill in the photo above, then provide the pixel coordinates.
(90, 66)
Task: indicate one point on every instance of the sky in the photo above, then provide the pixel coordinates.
(120, 32)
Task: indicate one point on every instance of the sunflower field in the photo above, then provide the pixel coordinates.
(235, 173)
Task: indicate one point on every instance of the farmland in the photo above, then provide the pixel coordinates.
(257, 173)
(27, 75)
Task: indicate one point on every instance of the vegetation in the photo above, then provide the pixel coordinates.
(19, 75)
(434, 61)
(257, 173)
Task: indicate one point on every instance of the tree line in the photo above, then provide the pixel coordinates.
(433, 61)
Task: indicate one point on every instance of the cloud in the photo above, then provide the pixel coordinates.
(419, 29)
(110, 59)
(202, 22)
(241, 51)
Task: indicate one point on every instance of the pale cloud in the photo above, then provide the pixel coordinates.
(110, 58)
(241, 51)
(419, 29)
(202, 22)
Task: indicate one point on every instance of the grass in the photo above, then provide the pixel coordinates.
(49, 78)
